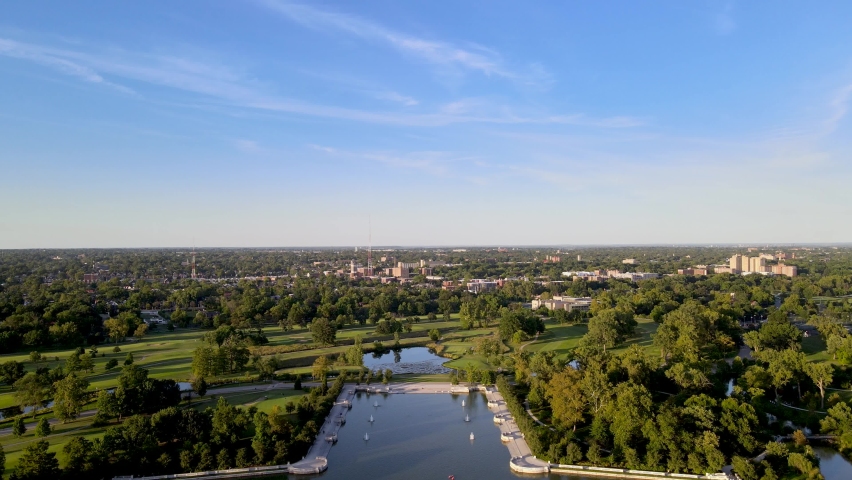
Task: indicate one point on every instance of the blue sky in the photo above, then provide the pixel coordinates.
(277, 123)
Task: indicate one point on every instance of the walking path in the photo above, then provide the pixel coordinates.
(522, 461)
(316, 461)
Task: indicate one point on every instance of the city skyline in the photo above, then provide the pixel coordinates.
(284, 124)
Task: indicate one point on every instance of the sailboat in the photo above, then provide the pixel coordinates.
(371, 419)
(467, 418)
(462, 403)
(367, 436)
(471, 435)
(375, 404)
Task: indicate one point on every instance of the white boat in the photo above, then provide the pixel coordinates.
(462, 403)
(471, 435)
(371, 419)
(376, 404)
(367, 436)
(467, 418)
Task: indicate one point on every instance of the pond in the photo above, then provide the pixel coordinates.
(833, 465)
(407, 360)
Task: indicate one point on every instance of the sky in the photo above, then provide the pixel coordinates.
(318, 123)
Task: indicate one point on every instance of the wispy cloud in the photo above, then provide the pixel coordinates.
(11, 48)
(839, 107)
(398, 98)
(439, 163)
(248, 146)
(217, 82)
(472, 57)
(723, 22)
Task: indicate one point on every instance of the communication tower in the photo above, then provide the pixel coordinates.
(193, 263)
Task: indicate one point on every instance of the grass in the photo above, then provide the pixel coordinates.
(815, 349)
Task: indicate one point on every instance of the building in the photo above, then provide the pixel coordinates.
(90, 277)
(448, 285)
(569, 304)
(426, 271)
(629, 261)
(788, 270)
(692, 271)
(479, 286)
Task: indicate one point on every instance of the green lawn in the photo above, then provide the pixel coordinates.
(815, 349)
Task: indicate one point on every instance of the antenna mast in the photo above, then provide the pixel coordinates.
(193, 262)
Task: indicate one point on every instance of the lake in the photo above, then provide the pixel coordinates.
(407, 360)
(421, 436)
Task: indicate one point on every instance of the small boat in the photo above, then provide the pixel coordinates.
(471, 435)
(367, 436)
(371, 419)
(375, 404)
(467, 418)
(462, 403)
(451, 477)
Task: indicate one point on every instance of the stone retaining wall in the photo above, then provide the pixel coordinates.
(628, 473)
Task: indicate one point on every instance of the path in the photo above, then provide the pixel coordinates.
(522, 458)
(316, 460)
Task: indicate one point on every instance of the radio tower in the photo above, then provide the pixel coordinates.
(193, 262)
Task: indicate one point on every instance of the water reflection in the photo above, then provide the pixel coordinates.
(833, 465)
(406, 360)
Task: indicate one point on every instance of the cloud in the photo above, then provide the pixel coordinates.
(724, 22)
(438, 163)
(11, 48)
(398, 98)
(248, 146)
(473, 57)
(213, 80)
(839, 107)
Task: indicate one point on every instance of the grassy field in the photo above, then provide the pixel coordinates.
(562, 339)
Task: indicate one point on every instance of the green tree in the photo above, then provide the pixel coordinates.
(19, 428)
(320, 368)
(199, 385)
(32, 391)
(69, 397)
(43, 428)
(78, 457)
(323, 331)
(36, 463)
(821, 373)
(566, 398)
(11, 372)
(116, 329)
(128, 360)
(839, 423)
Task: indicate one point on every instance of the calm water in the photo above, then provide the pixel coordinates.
(407, 360)
(420, 436)
(833, 465)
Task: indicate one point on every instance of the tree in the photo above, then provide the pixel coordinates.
(69, 397)
(821, 374)
(86, 363)
(43, 428)
(320, 368)
(78, 457)
(567, 401)
(36, 463)
(141, 330)
(199, 384)
(18, 427)
(323, 331)
(839, 423)
(32, 391)
(112, 363)
(72, 363)
(11, 372)
(116, 329)
(434, 334)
